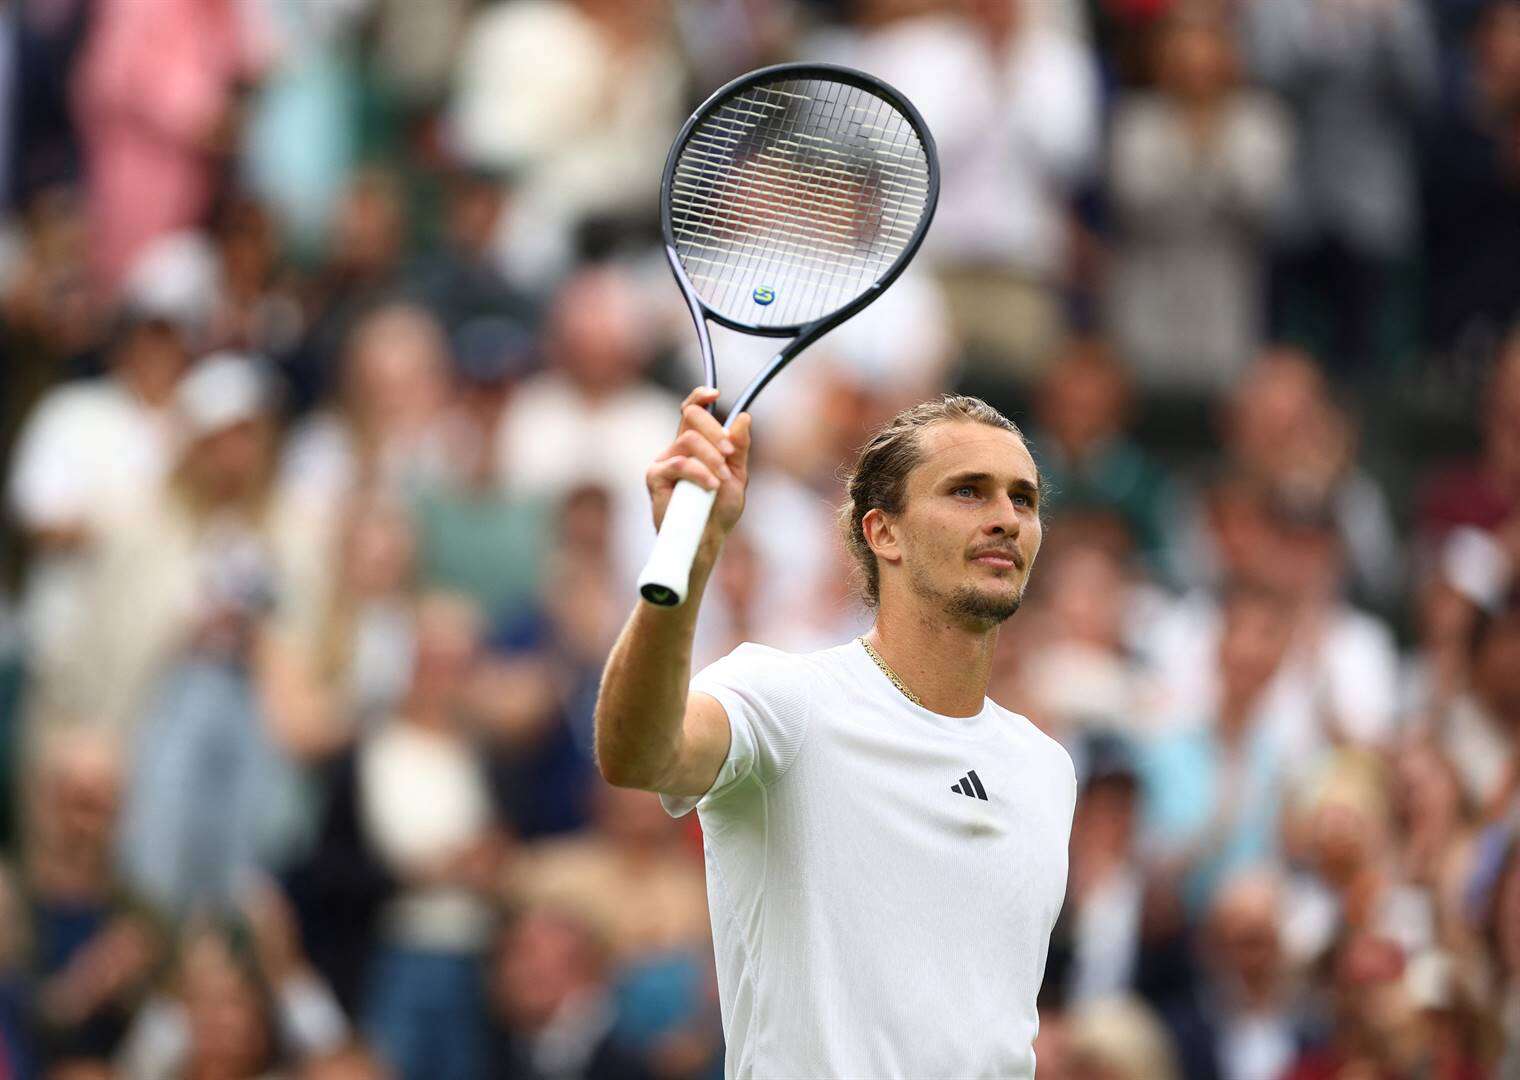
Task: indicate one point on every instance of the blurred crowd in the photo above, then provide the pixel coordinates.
(337, 336)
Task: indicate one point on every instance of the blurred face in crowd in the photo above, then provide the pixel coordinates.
(1497, 52)
(1507, 918)
(231, 463)
(378, 554)
(544, 960)
(447, 646)
(966, 540)
(599, 333)
(79, 797)
(1427, 790)
(475, 206)
(396, 372)
(150, 360)
(1349, 831)
(1282, 424)
(1086, 588)
(1503, 419)
(1496, 668)
(229, 1026)
(1251, 647)
(367, 228)
(1083, 400)
(1244, 933)
(1240, 529)
(1195, 58)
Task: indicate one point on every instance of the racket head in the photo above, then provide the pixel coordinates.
(794, 195)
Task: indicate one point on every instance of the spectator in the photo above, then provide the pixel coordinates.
(183, 598)
(365, 255)
(589, 418)
(1082, 677)
(1089, 461)
(1108, 941)
(222, 1020)
(552, 1005)
(1198, 169)
(425, 815)
(605, 88)
(1214, 789)
(1246, 1021)
(364, 645)
(1358, 77)
(16, 1050)
(1356, 893)
(1484, 493)
(1502, 926)
(462, 279)
(1121, 1039)
(1283, 430)
(154, 95)
(1472, 192)
(1481, 730)
(632, 877)
(1012, 98)
(93, 946)
(386, 432)
(477, 534)
(1374, 1033)
(179, 1029)
(92, 450)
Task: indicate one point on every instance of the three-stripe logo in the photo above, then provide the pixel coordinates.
(971, 784)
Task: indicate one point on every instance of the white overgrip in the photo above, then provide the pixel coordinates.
(666, 577)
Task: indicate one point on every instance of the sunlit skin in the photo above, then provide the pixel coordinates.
(955, 562)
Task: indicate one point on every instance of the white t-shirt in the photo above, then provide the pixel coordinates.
(871, 919)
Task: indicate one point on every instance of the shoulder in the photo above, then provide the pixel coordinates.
(1053, 756)
(753, 661)
(79, 402)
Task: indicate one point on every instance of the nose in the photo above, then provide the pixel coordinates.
(1004, 520)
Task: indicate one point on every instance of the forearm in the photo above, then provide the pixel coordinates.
(642, 703)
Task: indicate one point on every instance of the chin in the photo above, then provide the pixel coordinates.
(985, 606)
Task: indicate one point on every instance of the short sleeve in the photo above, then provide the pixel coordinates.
(46, 482)
(764, 693)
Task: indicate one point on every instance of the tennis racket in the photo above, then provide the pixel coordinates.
(791, 199)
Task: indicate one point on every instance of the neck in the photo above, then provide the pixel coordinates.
(946, 664)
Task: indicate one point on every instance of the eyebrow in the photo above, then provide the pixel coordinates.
(1026, 486)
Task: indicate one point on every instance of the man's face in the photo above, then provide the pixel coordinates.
(970, 527)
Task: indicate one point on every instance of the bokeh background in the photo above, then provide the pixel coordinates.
(336, 339)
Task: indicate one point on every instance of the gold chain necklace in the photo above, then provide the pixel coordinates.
(889, 673)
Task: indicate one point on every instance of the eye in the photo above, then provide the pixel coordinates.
(1020, 499)
(967, 489)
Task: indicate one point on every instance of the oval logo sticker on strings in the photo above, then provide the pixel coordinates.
(764, 294)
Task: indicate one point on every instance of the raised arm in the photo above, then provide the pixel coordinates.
(650, 731)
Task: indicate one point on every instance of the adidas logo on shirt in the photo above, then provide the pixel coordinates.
(971, 784)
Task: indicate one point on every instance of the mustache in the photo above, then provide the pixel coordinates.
(1005, 552)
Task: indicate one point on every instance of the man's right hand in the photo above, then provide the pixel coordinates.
(707, 455)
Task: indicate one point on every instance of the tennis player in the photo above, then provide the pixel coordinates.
(886, 847)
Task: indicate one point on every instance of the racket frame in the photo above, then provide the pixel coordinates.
(665, 579)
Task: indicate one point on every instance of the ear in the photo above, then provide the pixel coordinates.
(881, 534)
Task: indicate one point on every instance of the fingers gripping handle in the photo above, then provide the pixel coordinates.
(667, 575)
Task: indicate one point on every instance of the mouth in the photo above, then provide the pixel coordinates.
(1000, 559)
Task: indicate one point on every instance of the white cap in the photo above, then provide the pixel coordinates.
(224, 389)
(1477, 566)
(176, 278)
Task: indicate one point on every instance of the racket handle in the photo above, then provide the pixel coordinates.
(667, 575)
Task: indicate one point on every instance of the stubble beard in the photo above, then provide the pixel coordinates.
(969, 605)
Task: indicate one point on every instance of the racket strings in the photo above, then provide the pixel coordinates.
(792, 198)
